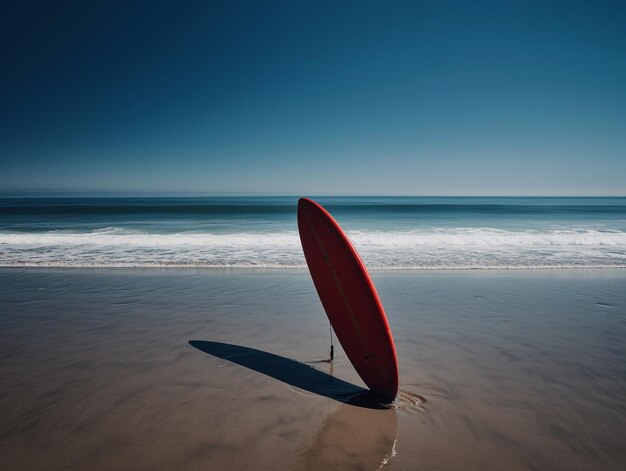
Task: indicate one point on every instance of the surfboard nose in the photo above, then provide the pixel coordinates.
(304, 202)
(307, 205)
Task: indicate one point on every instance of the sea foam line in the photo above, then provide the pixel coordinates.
(438, 249)
(436, 237)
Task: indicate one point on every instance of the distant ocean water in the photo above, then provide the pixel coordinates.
(389, 232)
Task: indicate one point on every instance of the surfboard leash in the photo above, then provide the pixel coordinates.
(332, 349)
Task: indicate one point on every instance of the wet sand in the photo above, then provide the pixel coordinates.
(217, 369)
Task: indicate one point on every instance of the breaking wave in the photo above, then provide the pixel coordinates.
(460, 248)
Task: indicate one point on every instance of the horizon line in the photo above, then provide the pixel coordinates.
(201, 194)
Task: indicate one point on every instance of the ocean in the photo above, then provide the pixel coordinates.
(391, 233)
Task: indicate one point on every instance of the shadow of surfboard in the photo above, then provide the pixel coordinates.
(292, 372)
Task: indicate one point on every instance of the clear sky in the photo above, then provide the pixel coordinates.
(441, 98)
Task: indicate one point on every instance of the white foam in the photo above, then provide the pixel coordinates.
(487, 237)
(118, 238)
(432, 249)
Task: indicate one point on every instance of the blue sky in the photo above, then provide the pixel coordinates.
(424, 98)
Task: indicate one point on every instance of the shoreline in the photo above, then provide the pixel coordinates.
(304, 269)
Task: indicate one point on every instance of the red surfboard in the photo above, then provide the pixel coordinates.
(349, 298)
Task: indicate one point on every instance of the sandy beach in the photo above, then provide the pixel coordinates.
(223, 369)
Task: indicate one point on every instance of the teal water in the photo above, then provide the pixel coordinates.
(389, 232)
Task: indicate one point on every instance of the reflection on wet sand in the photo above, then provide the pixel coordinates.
(353, 438)
(360, 434)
